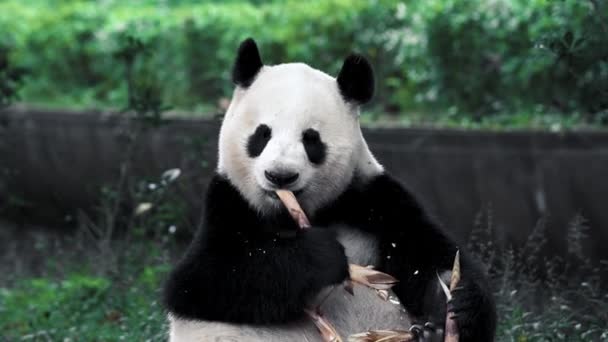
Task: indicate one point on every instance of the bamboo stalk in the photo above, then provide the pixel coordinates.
(292, 205)
(451, 328)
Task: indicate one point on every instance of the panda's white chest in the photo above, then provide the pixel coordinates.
(361, 248)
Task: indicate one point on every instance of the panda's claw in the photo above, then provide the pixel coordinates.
(427, 332)
(416, 329)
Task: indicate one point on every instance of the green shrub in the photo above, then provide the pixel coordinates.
(460, 58)
(11, 75)
(492, 55)
(69, 50)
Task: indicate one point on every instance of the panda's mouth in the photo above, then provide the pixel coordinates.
(274, 195)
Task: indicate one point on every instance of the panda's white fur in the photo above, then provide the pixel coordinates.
(291, 98)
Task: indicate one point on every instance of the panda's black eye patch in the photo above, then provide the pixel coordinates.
(315, 148)
(258, 140)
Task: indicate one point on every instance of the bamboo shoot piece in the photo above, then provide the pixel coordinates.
(383, 336)
(369, 277)
(291, 203)
(451, 328)
(327, 331)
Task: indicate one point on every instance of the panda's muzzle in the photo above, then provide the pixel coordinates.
(281, 178)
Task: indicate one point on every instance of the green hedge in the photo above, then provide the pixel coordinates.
(473, 57)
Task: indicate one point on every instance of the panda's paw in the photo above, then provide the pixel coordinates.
(464, 304)
(471, 307)
(327, 256)
(427, 332)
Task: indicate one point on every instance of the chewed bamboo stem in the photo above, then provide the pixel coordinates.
(451, 328)
(292, 205)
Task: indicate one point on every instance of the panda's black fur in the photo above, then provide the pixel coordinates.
(248, 63)
(356, 79)
(314, 146)
(258, 140)
(249, 267)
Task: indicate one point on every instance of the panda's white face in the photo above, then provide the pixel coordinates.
(290, 129)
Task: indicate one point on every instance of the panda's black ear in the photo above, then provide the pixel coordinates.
(247, 64)
(356, 79)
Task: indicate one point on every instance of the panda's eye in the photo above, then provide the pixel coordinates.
(315, 148)
(258, 140)
(311, 136)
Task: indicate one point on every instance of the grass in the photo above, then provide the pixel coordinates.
(545, 295)
(67, 293)
(71, 295)
(83, 307)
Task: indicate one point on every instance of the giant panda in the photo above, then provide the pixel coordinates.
(250, 272)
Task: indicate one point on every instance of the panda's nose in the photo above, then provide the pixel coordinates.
(281, 178)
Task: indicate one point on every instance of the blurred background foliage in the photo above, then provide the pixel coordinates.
(507, 63)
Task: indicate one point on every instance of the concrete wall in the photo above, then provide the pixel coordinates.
(60, 160)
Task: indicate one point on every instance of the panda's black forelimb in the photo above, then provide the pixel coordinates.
(414, 249)
(234, 271)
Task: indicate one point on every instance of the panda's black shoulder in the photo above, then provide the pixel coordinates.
(366, 198)
(225, 206)
(221, 191)
(384, 187)
(386, 193)
(384, 206)
(225, 211)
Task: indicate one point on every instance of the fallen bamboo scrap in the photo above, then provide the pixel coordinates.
(383, 336)
(368, 276)
(327, 331)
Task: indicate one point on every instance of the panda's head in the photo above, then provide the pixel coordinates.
(293, 127)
